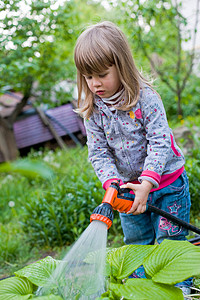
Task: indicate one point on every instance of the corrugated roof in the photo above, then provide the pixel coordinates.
(31, 130)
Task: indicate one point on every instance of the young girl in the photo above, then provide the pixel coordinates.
(128, 135)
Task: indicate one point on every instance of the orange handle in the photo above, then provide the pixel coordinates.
(117, 203)
(122, 205)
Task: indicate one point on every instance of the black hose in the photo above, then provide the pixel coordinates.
(173, 218)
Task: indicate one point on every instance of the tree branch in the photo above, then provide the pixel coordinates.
(161, 74)
(193, 47)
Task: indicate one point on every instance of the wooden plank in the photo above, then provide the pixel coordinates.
(47, 123)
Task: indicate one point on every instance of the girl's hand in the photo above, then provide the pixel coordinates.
(141, 192)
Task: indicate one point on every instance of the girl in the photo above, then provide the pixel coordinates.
(128, 135)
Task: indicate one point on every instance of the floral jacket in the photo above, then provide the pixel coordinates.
(133, 144)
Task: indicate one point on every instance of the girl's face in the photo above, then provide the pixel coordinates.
(104, 84)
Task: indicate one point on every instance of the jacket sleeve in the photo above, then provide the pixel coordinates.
(99, 152)
(158, 135)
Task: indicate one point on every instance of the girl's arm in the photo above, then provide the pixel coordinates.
(99, 153)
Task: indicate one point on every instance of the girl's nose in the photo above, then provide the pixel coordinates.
(96, 82)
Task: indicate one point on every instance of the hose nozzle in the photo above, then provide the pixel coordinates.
(104, 213)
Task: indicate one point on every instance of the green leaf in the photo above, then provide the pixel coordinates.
(39, 272)
(173, 262)
(49, 297)
(146, 289)
(15, 288)
(124, 260)
(27, 168)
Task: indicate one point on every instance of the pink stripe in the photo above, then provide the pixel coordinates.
(166, 179)
(151, 174)
(169, 178)
(173, 147)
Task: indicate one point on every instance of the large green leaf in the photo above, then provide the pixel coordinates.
(124, 260)
(146, 289)
(27, 168)
(15, 288)
(49, 297)
(173, 262)
(40, 271)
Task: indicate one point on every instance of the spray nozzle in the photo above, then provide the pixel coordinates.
(112, 200)
(104, 213)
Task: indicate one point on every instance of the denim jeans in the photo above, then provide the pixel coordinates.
(145, 228)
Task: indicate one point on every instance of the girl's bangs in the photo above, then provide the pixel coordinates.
(93, 61)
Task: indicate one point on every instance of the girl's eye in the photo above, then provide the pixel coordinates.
(102, 75)
(88, 77)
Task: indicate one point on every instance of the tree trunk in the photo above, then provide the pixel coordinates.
(180, 111)
(8, 147)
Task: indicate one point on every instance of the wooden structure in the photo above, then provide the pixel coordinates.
(34, 126)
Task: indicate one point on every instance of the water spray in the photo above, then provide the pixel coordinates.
(114, 199)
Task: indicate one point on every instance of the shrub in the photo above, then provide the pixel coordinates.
(13, 244)
(59, 213)
(193, 171)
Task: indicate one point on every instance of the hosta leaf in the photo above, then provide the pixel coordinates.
(173, 262)
(49, 297)
(124, 260)
(93, 256)
(40, 271)
(15, 288)
(146, 289)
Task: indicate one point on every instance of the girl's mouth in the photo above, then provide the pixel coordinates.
(100, 92)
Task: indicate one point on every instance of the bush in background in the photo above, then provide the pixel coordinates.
(58, 214)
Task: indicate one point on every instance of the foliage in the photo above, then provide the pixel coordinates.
(190, 100)
(14, 188)
(37, 40)
(27, 168)
(42, 213)
(58, 214)
(156, 31)
(193, 170)
(165, 265)
(12, 244)
(53, 212)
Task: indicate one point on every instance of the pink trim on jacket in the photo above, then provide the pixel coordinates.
(173, 147)
(165, 180)
(152, 175)
(168, 179)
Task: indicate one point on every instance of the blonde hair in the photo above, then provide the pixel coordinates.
(99, 47)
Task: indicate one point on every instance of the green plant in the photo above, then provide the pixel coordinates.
(60, 215)
(165, 265)
(11, 247)
(16, 182)
(192, 167)
(59, 212)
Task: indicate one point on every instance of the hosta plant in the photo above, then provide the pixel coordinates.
(165, 265)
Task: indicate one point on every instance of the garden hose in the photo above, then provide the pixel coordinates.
(114, 199)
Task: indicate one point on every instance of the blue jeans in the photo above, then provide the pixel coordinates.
(145, 228)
